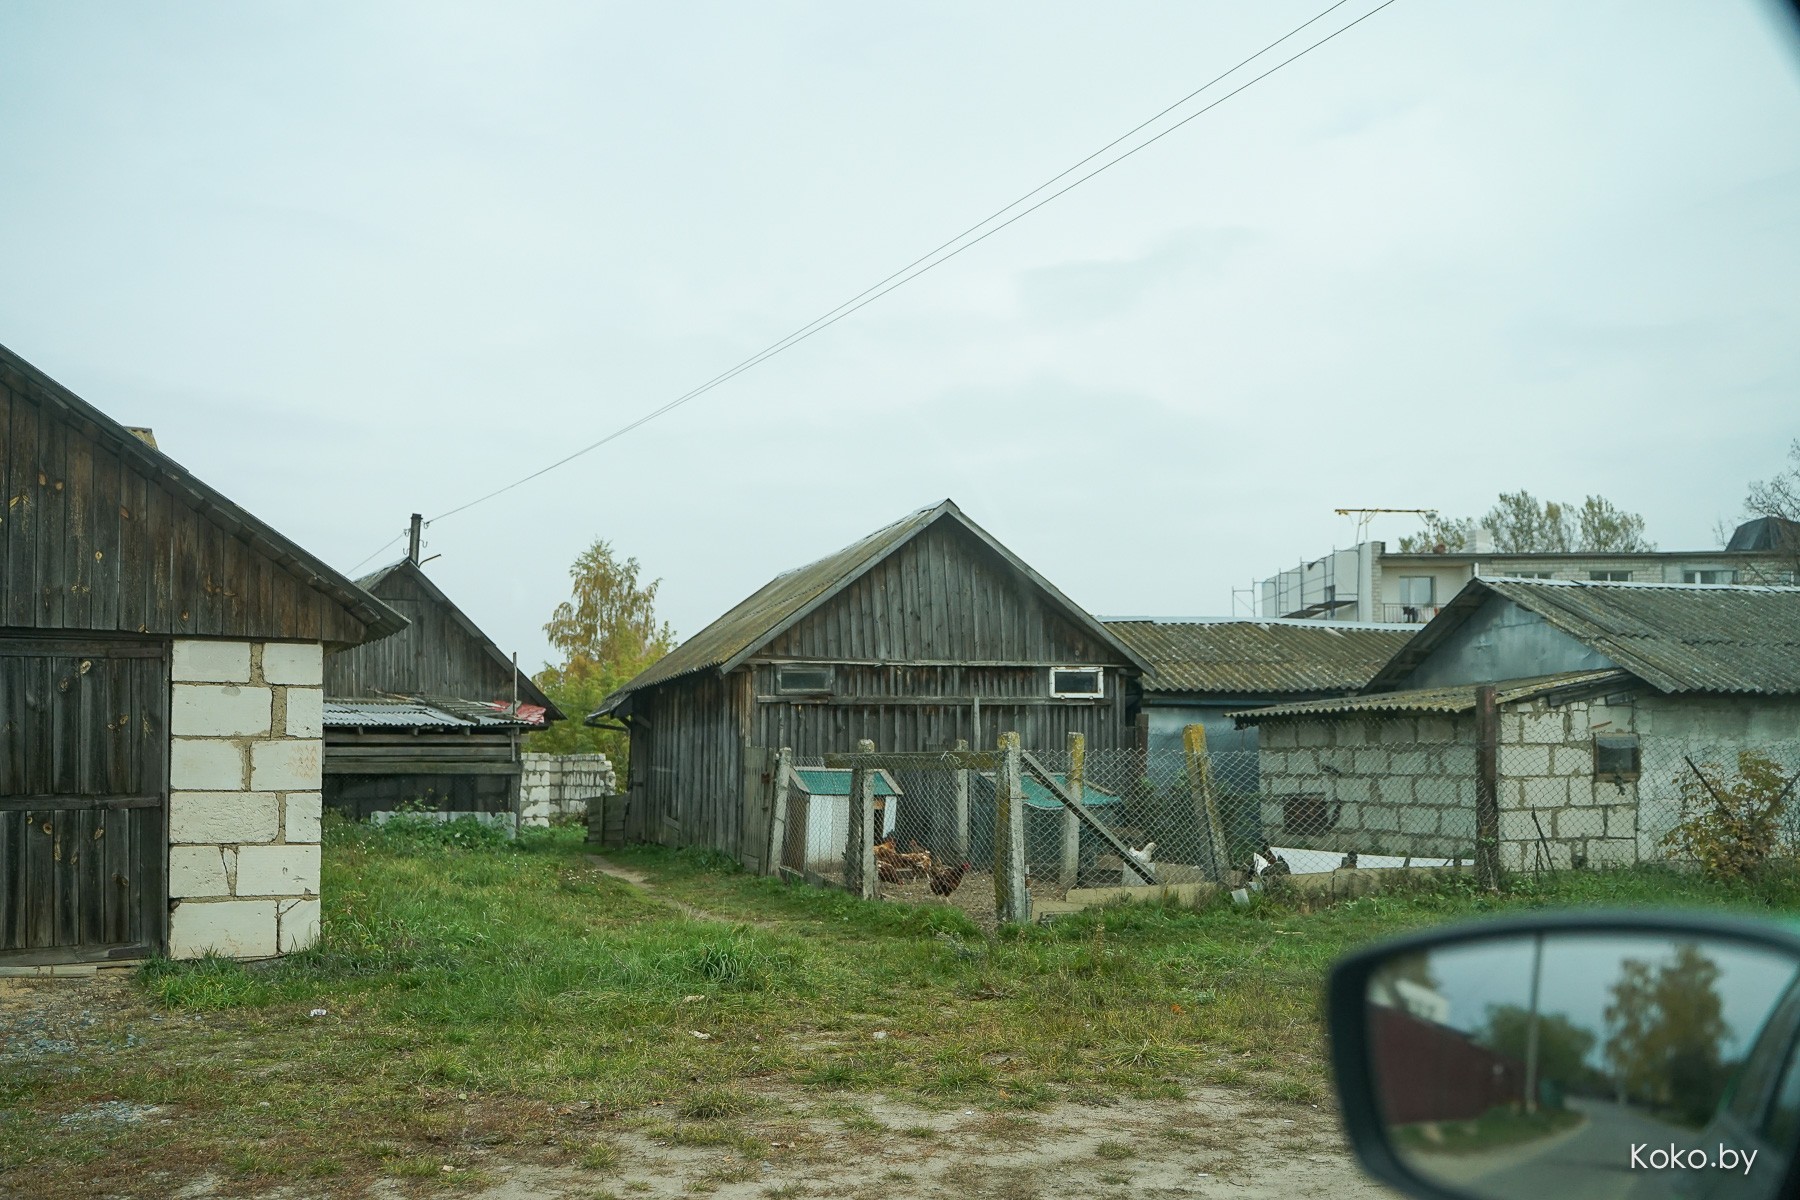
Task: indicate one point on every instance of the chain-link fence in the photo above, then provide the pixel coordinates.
(1368, 793)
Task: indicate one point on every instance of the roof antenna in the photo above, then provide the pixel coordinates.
(412, 538)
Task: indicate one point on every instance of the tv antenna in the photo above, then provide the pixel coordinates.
(1365, 515)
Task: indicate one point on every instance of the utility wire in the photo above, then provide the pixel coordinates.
(907, 273)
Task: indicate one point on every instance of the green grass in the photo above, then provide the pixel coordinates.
(1501, 1127)
(472, 985)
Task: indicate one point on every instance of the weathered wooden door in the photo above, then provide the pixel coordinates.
(84, 737)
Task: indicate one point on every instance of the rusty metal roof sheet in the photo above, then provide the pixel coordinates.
(1675, 637)
(1445, 700)
(416, 713)
(791, 596)
(1271, 657)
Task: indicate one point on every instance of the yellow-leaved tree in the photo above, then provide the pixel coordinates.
(607, 632)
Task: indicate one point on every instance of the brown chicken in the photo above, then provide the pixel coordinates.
(947, 880)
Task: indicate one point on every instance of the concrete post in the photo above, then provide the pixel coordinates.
(1012, 903)
(1071, 824)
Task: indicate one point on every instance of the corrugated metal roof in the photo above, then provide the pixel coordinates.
(789, 596)
(1447, 700)
(1260, 657)
(1675, 637)
(835, 781)
(415, 714)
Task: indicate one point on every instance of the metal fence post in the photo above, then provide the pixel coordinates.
(1487, 787)
(1206, 803)
(1011, 901)
(1071, 824)
(778, 819)
(859, 844)
(961, 784)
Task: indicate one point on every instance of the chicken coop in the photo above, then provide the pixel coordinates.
(819, 816)
(1045, 827)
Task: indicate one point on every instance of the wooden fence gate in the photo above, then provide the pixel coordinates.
(84, 737)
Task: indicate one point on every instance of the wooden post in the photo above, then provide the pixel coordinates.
(1071, 823)
(859, 844)
(961, 784)
(778, 816)
(1012, 903)
(1487, 787)
(1206, 803)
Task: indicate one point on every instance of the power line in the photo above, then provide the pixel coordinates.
(931, 260)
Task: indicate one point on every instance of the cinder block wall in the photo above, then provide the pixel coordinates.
(1406, 783)
(560, 785)
(1553, 812)
(244, 761)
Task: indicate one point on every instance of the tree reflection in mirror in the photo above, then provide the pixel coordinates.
(1623, 1065)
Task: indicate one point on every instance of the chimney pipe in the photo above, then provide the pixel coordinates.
(412, 538)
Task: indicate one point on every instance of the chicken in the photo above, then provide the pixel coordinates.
(1128, 875)
(1275, 864)
(946, 881)
(918, 860)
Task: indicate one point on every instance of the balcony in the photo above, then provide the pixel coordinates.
(1409, 614)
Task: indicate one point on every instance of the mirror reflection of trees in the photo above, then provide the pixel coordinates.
(1667, 1033)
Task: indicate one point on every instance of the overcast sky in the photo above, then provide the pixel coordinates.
(355, 260)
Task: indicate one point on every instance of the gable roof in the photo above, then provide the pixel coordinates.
(793, 596)
(1268, 657)
(1675, 637)
(410, 572)
(1448, 701)
(140, 454)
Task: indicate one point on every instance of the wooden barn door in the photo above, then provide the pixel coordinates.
(84, 737)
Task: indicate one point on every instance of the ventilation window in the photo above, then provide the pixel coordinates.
(1077, 683)
(803, 681)
(1616, 757)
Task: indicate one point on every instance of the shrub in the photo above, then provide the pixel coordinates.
(1732, 826)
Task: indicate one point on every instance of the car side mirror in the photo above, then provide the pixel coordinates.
(1626, 1055)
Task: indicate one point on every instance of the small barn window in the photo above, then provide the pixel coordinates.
(803, 681)
(1616, 757)
(1077, 683)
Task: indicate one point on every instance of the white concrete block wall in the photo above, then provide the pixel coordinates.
(1553, 812)
(244, 779)
(560, 785)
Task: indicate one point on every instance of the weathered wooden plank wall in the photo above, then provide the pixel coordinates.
(93, 543)
(941, 640)
(435, 655)
(83, 797)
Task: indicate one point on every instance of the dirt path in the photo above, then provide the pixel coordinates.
(642, 882)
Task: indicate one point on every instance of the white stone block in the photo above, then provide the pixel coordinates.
(299, 924)
(210, 662)
(234, 928)
(305, 712)
(301, 663)
(219, 710)
(278, 871)
(1547, 728)
(285, 766)
(223, 818)
(205, 765)
(1524, 760)
(201, 870)
(300, 817)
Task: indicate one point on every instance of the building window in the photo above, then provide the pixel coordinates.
(1416, 590)
(1616, 757)
(1531, 575)
(1077, 683)
(1710, 575)
(1610, 576)
(803, 681)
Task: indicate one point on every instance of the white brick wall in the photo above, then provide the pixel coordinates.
(244, 774)
(560, 785)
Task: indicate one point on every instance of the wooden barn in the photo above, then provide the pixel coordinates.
(160, 699)
(432, 715)
(922, 633)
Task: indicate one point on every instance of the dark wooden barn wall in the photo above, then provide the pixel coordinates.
(686, 763)
(943, 596)
(915, 642)
(433, 656)
(885, 705)
(84, 741)
(88, 542)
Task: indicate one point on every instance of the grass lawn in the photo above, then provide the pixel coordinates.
(511, 995)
